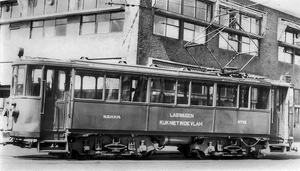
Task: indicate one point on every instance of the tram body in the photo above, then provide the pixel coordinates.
(82, 108)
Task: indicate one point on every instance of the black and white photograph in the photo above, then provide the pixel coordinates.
(149, 85)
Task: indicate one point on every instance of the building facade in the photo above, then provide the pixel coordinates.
(218, 34)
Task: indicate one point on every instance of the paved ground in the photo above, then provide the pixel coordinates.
(19, 159)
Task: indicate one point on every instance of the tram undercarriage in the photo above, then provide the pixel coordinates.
(96, 145)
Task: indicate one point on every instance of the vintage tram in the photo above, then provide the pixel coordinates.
(81, 108)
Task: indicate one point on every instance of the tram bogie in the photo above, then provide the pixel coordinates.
(225, 147)
(80, 108)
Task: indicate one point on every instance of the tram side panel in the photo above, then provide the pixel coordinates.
(105, 116)
(242, 122)
(24, 118)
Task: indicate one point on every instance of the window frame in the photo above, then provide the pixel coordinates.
(167, 25)
(110, 22)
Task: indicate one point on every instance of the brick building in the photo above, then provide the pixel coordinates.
(210, 33)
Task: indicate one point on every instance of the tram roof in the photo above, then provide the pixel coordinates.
(149, 71)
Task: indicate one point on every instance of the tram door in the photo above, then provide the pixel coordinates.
(280, 110)
(55, 106)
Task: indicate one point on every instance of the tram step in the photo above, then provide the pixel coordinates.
(278, 148)
(53, 146)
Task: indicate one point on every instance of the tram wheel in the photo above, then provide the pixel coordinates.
(199, 155)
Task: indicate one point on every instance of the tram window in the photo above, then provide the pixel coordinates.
(88, 87)
(100, 83)
(61, 84)
(127, 88)
(49, 86)
(297, 115)
(134, 89)
(260, 98)
(280, 95)
(34, 81)
(77, 87)
(202, 94)
(297, 96)
(244, 96)
(162, 90)
(227, 95)
(140, 93)
(183, 92)
(112, 87)
(20, 81)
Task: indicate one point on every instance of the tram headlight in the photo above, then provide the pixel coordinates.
(15, 112)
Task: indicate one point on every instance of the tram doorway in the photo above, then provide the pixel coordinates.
(56, 92)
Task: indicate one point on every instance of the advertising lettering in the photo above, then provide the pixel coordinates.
(111, 117)
(180, 123)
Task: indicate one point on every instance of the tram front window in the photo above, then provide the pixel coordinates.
(19, 80)
(34, 81)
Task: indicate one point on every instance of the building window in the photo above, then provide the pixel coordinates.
(194, 33)
(166, 27)
(20, 30)
(49, 28)
(192, 8)
(102, 23)
(249, 46)
(117, 21)
(238, 43)
(241, 21)
(37, 29)
(88, 24)
(291, 36)
(197, 9)
(289, 42)
(245, 21)
(73, 26)
(61, 27)
(170, 5)
(285, 54)
(228, 41)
